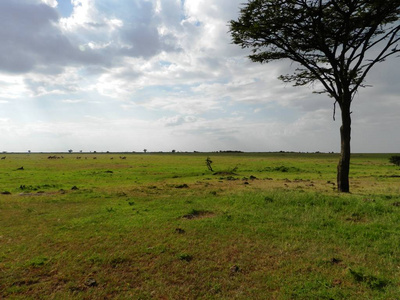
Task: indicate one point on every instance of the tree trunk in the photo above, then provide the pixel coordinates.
(343, 167)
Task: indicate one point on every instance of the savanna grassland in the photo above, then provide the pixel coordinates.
(163, 226)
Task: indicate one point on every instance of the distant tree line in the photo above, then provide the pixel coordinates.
(230, 151)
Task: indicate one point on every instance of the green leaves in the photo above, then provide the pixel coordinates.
(333, 40)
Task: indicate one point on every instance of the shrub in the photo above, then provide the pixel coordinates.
(395, 160)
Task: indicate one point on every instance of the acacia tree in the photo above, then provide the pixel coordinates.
(334, 42)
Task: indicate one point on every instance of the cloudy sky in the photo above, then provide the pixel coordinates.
(128, 75)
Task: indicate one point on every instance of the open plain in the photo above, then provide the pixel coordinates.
(164, 226)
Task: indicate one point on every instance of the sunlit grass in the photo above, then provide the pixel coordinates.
(262, 226)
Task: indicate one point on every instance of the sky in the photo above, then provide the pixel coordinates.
(163, 75)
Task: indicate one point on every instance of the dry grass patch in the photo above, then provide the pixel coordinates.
(198, 214)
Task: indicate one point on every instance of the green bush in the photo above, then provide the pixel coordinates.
(395, 160)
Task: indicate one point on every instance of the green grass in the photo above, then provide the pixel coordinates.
(162, 226)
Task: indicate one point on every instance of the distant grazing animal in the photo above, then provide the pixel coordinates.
(54, 157)
(3, 157)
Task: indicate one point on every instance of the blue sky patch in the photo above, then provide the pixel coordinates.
(65, 8)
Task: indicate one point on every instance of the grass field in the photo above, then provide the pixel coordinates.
(163, 226)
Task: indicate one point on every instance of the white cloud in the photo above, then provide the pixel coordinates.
(51, 3)
(72, 101)
(83, 15)
(11, 87)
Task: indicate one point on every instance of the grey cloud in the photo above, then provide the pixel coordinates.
(30, 39)
(129, 74)
(141, 35)
(172, 13)
(143, 41)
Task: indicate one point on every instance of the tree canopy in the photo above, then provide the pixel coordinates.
(336, 42)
